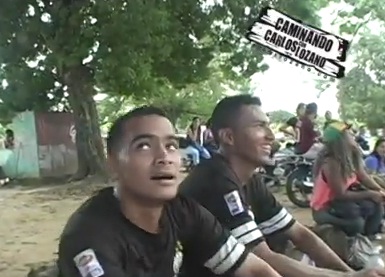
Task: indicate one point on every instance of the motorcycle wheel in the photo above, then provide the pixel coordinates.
(295, 186)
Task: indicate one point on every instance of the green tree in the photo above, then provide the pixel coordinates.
(362, 91)
(64, 51)
(111, 107)
(279, 116)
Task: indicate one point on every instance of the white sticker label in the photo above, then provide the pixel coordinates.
(88, 264)
(234, 203)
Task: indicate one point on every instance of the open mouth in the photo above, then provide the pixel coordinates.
(163, 177)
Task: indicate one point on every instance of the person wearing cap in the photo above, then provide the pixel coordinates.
(339, 197)
(308, 146)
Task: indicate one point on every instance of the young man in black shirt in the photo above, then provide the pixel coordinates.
(250, 211)
(142, 229)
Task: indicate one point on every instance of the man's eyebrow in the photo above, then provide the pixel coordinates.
(172, 137)
(260, 121)
(152, 136)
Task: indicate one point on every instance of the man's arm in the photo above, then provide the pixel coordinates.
(272, 219)
(284, 129)
(269, 214)
(309, 243)
(216, 249)
(235, 216)
(291, 122)
(84, 255)
(248, 268)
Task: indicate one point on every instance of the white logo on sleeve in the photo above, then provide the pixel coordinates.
(88, 264)
(234, 203)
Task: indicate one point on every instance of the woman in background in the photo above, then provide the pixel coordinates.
(208, 139)
(375, 162)
(338, 197)
(194, 138)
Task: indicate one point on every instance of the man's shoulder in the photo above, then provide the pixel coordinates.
(181, 203)
(208, 176)
(93, 215)
(256, 187)
(256, 181)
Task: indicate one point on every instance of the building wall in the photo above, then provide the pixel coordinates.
(57, 154)
(22, 162)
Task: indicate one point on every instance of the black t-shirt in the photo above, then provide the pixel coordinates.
(250, 212)
(293, 122)
(98, 241)
(271, 217)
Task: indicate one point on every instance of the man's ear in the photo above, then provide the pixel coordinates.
(226, 136)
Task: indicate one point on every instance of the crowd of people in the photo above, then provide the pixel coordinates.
(221, 219)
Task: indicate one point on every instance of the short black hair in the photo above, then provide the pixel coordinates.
(300, 106)
(116, 131)
(226, 111)
(9, 133)
(311, 108)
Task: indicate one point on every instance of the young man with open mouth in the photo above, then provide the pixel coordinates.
(142, 228)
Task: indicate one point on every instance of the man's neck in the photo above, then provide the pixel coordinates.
(144, 216)
(243, 170)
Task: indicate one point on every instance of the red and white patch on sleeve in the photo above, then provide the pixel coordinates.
(88, 264)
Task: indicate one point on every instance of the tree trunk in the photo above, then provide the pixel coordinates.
(89, 143)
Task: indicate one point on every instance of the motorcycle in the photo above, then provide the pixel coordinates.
(300, 183)
(276, 173)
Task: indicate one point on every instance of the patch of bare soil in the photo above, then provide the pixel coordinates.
(32, 220)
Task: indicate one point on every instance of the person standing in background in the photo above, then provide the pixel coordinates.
(9, 142)
(328, 119)
(292, 125)
(308, 145)
(361, 140)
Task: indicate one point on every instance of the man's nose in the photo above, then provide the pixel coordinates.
(270, 134)
(162, 156)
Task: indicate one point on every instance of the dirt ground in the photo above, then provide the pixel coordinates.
(32, 220)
